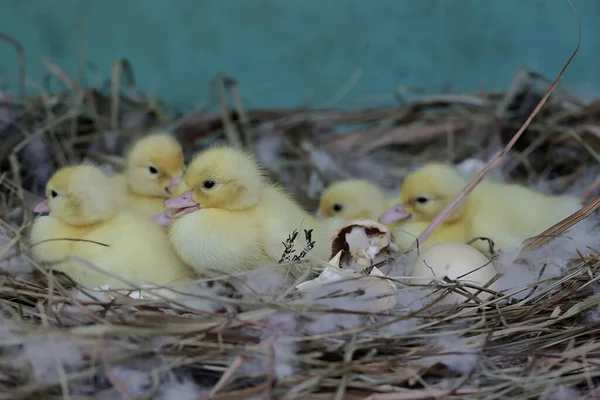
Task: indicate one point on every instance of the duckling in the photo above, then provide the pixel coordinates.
(232, 219)
(406, 233)
(154, 168)
(504, 213)
(84, 221)
(353, 199)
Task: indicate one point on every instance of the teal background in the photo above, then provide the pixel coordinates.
(305, 52)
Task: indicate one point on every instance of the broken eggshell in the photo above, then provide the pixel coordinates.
(332, 273)
(363, 243)
(374, 286)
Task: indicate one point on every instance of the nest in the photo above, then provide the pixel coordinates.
(261, 343)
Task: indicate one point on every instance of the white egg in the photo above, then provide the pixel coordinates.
(457, 261)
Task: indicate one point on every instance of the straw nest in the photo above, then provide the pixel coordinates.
(255, 340)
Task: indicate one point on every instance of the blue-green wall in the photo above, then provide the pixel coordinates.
(288, 52)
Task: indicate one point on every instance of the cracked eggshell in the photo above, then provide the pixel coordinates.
(331, 273)
(373, 285)
(363, 242)
(457, 261)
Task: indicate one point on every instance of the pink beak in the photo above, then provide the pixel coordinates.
(394, 214)
(181, 201)
(183, 204)
(42, 207)
(174, 182)
(162, 219)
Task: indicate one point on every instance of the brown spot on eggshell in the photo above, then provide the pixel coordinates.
(363, 243)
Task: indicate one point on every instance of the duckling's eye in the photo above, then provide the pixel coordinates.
(337, 207)
(152, 170)
(208, 184)
(422, 200)
(53, 193)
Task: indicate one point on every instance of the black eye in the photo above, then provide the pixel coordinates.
(208, 184)
(53, 193)
(152, 170)
(422, 200)
(337, 207)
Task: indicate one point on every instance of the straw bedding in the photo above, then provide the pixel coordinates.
(252, 336)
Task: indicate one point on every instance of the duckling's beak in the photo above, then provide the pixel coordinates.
(181, 205)
(174, 182)
(321, 216)
(163, 219)
(394, 214)
(42, 207)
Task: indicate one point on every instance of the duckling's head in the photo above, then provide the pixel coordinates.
(155, 165)
(221, 177)
(78, 195)
(352, 199)
(425, 193)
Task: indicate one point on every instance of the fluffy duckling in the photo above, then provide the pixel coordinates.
(353, 199)
(232, 219)
(83, 211)
(505, 213)
(406, 233)
(153, 170)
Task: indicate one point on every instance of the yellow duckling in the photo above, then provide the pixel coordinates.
(232, 219)
(353, 199)
(505, 213)
(154, 168)
(84, 212)
(406, 233)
